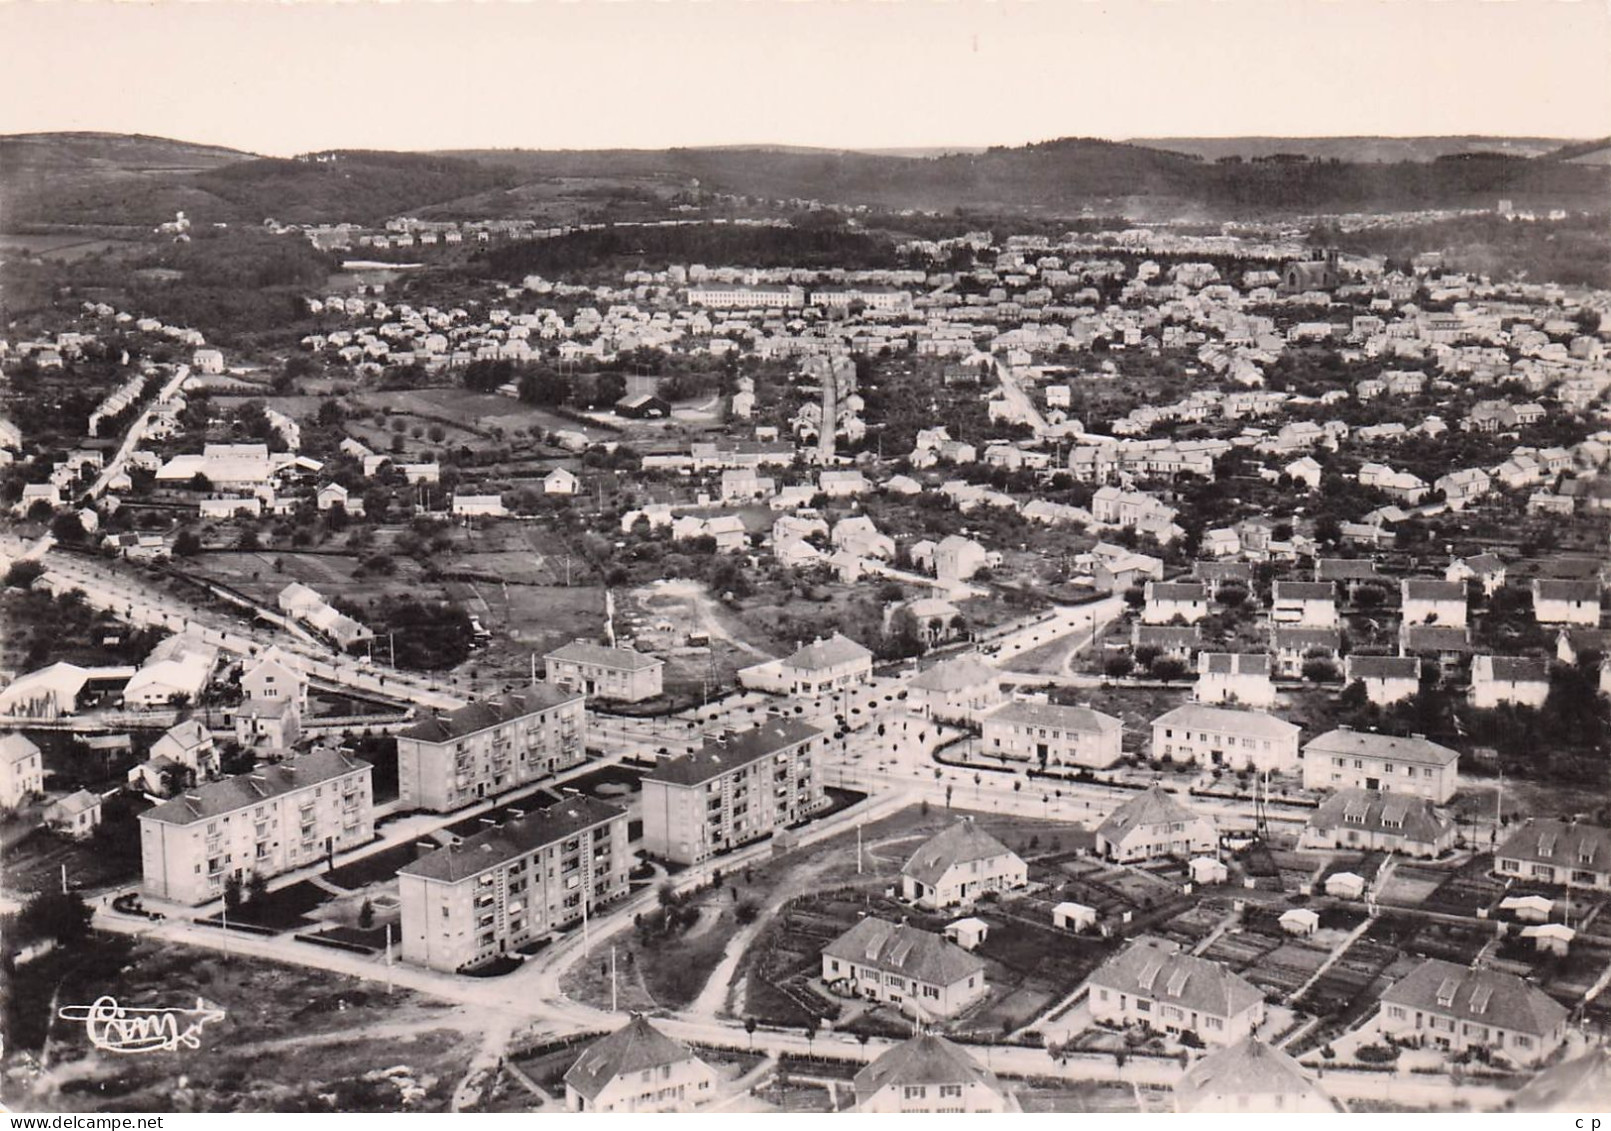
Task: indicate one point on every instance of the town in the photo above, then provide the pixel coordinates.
(714, 650)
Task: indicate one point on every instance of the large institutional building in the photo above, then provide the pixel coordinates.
(448, 761)
(513, 883)
(270, 821)
(731, 791)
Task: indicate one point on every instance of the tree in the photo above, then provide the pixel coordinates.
(366, 915)
(1169, 668)
(1117, 667)
(23, 573)
(187, 544)
(1135, 596)
(232, 893)
(60, 916)
(257, 888)
(749, 1029)
(1319, 671)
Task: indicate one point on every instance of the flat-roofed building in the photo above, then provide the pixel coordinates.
(1350, 759)
(446, 762)
(270, 821)
(732, 790)
(512, 883)
(598, 672)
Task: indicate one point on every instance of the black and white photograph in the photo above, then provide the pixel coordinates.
(777, 557)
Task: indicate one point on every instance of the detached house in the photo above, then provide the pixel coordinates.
(1048, 734)
(827, 665)
(929, 1074)
(1566, 602)
(1487, 570)
(919, 972)
(1453, 1007)
(1234, 677)
(1167, 600)
(1250, 1076)
(622, 674)
(1154, 983)
(1387, 679)
(638, 1069)
(959, 690)
(1303, 604)
(1497, 680)
(1154, 824)
(1433, 602)
(1219, 736)
(957, 866)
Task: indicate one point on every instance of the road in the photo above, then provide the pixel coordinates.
(136, 433)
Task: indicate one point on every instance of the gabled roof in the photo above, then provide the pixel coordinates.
(15, 747)
(1234, 663)
(1304, 591)
(480, 716)
(901, 949)
(622, 659)
(1556, 589)
(1344, 569)
(961, 843)
(1482, 996)
(716, 757)
(1284, 638)
(1154, 807)
(1253, 724)
(245, 790)
(925, 1059)
(1082, 719)
(830, 653)
(1383, 667)
(1367, 744)
(1386, 814)
(1434, 638)
(1157, 969)
(1426, 589)
(1510, 669)
(955, 675)
(1544, 840)
(500, 844)
(1248, 1068)
(633, 1048)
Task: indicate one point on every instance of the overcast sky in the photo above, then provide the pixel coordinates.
(282, 79)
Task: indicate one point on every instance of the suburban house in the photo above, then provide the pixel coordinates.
(1214, 576)
(1153, 982)
(957, 558)
(273, 820)
(1449, 1006)
(1350, 573)
(1387, 679)
(1351, 759)
(958, 690)
(920, 972)
(1234, 677)
(733, 790)
(1250, 1076)
(478, 506)
(1220, 736)
(1499, 680)
(1487, 570)
(267, 727)
(22, 770)
(1177, 641)
(561, 481)
(274, 675)
(1557, 852)
(77, 815)
(827, 665)
(1425, 601)
(622, 674)
(445, 762)
(1154, 824)
(928, 1074)
(1166, 600)
(1303, 604)
(1291, 648)
(1372, 821)
(638, 1068)
(1566, 602)
(1048, 734)
(956, 866)
(511, 883)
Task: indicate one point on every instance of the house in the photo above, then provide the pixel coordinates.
(561, 481)
(1303, 604)
(1291, 648)
(332, 495)
(513, 882)
(1250, 1076)
(1350, 759)
(929, 1074)
(623, 675)
(448, 761)
(1073, 917)
(920, 972)
(1154, 824)
(957, 558)
(1304, 470)
(1453, 1007)
(827, 665)
(22, 770)
(1177, 641)
(297, 813)
(1566, 602)
(1433, 602)
(1215, 576)
(1372, 821)
(1545, 850)
(638, 1068)
(1220, 736)
(957, 866)
(1487, 570)
(1048, 734)
(274, 675)
(77, 815)
(1520, 680)
(474, 506)
(737, 788)
(1167, 600)
(1234, 677)
(1462, 487)
(1153, 982)
(1387, 679)
(177, 670)
(268, 725)
(1581, 1084)
(958, 690)
(1350, 573)
(188, 744)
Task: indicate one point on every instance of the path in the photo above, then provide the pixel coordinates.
(1336, 953)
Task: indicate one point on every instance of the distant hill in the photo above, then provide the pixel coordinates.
(1368, 150)
(98, 179)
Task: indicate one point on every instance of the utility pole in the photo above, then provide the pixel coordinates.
(388, 959)
(64, 879)
(612, 980)
(587, 944)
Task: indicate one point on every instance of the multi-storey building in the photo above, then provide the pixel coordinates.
(1350, 759)
(22, 770)
(1222, 736)
(1304, 604)
(1234, 677)
(510, 884)
(449, 761)
(732, 790)
(623, 674)
(270, 821)
(1047, 734)
(1379, 822)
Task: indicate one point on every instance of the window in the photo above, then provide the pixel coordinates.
(950, 1091)
(913, 1092)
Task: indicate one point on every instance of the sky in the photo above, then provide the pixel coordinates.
(287, 78)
